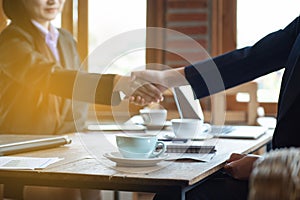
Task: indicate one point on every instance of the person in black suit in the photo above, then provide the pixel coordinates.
(278, 50)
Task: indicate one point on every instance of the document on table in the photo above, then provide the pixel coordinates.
(26, 163)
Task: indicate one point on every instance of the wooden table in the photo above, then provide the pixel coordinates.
(85, 167)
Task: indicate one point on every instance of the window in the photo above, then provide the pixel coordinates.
(109, 18)
(257, 18)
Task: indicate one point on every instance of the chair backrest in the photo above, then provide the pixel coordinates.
(251, 89)
(276, 176)
(234, 115)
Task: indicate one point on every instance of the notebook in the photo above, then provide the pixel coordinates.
(189, 148)
(189, 107)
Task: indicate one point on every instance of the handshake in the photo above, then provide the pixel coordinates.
(147, 86)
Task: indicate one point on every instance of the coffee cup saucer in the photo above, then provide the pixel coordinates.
(157, 127)
(133, 162)
(202, 136)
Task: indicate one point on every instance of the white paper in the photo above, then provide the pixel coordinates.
(21, 163)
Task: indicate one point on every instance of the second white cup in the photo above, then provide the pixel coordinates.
(154, 117)
(189, 128)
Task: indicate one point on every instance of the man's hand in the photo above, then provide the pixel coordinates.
(139, 92)
(239, 166)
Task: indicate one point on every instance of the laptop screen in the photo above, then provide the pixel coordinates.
(187, 105)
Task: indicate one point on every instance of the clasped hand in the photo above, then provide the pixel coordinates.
(138, 91)
(239, 166)
(149, 85)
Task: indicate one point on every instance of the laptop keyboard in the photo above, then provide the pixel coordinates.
(221, 129)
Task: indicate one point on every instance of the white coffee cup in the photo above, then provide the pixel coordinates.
(154, 117)
(139, 146)
(189, 128)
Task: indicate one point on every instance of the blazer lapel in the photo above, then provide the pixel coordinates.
(63, 52)
(66, 63)
(291, 90)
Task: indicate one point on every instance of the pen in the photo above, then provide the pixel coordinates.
(173, 140)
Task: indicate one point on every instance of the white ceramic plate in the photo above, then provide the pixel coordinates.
(133, 162)
(115, 127)
(158, 127)
(202, 136)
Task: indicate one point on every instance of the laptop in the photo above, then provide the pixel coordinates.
(189, 107)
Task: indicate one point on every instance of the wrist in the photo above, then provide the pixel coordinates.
(120, 83)
(175, 77)
(115, 82)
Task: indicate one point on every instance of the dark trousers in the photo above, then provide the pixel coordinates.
(216, 187)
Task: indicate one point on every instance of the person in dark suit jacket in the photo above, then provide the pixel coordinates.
(278, 50)
(39, 69)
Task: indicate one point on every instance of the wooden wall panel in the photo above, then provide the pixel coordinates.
(223, 39)
(223, 36)
(3, 19)
(67, 16)
(155, 18)
(190, 18)
(83, 25)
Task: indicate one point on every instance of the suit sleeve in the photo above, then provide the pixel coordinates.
(239, 66)
(21, 64)
(83, 86)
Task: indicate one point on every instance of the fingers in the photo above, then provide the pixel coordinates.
(232, 164)
(235, 156)
(138, 100)
(241, 168)
(147, 86)
(139, 92)
(149, 93)
(146, 94)
(237, 169)
(229, 168)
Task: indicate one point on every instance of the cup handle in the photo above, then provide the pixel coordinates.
(146, 118)
(163, 150)
(207, 128)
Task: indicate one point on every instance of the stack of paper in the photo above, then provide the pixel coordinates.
(23, 163)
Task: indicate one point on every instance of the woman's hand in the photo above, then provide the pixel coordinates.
(239, 166)
(139, 92)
